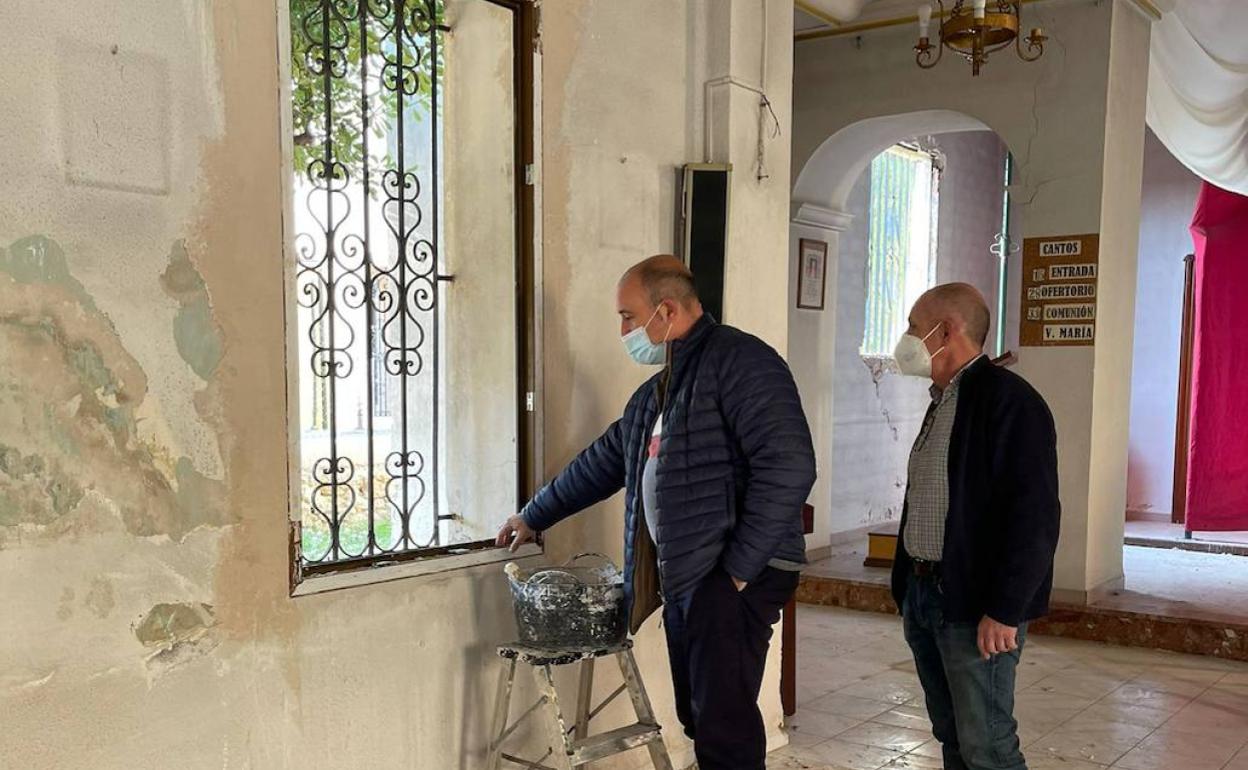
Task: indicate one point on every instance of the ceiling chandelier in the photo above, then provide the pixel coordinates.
(973, 30)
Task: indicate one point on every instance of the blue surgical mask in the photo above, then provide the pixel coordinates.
(638, 344)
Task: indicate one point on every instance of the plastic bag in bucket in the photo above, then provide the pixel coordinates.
(574, 606)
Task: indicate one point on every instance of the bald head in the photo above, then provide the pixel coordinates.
(663, 277)
(658, 293)
(962, 305)
(952, 320)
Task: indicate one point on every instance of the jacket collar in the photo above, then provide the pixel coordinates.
(679, 353)
(974, 368)
(940, 394)
(685, 346)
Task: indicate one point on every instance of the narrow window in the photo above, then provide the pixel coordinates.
(901, 242)
(412, 274)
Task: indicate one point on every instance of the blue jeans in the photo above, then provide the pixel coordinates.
(969, 700)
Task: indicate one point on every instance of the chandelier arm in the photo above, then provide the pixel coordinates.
(1000, 47)
(1035, 48)
(924, 58)
(923, 54)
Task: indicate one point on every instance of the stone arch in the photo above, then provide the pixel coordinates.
(824, 182)
(829, 174)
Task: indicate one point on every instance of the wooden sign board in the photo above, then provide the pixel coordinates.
(1059, 291)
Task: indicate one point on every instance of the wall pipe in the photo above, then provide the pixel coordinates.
(1003, 270)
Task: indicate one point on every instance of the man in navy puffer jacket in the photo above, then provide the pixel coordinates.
(715, 459)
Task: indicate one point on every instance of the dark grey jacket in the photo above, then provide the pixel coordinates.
(735, 467)
(1004, 512)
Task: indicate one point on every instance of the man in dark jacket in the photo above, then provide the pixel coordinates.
(978, 530)
(715, 459)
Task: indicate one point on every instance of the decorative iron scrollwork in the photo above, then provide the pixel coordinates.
(368, 296)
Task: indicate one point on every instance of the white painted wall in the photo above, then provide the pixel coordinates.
(1071, 121)
(1169, 197)
(183, 478)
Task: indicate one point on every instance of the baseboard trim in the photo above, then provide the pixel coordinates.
(1157, 517)
(777, 738)
(819, 554)
(1090, 596)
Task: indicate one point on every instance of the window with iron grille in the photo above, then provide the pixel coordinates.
(901, 242)
(411, 273)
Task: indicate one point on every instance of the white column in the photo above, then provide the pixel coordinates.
(1089, 388)
(812, 350)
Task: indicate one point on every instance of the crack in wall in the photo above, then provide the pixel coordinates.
(1025, 166)
(878, 366)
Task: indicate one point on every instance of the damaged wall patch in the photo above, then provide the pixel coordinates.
(194, 329)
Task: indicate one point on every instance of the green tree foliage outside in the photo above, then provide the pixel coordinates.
(356, 45)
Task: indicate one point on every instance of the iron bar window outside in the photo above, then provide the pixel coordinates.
(392, 398)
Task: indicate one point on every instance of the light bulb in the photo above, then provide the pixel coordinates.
(981, 7)
(925, 19)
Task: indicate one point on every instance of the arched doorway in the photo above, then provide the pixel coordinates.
(836, 351)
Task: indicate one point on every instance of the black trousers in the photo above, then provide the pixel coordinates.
(717, 639)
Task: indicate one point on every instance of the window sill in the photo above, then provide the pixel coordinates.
(386, 573)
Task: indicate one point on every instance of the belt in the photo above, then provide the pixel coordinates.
(923, 568)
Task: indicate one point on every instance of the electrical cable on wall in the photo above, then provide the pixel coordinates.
(765, 109)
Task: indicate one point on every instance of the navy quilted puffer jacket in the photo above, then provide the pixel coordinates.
(735, 466)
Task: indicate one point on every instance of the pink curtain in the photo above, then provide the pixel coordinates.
(1217, 476)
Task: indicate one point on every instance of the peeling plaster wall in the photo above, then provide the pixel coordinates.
(143, 466)
(1071, 121)
(878, 413)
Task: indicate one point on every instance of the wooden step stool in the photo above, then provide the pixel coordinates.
(578, 747)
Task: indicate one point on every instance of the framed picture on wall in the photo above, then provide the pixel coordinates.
(812, 275)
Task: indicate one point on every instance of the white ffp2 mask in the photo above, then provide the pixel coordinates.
(912, 356)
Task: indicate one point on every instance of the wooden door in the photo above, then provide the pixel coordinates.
(1182, 422)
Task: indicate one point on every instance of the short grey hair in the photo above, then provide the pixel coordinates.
(664, 277)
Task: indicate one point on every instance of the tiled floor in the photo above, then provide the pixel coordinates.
(1080, 705)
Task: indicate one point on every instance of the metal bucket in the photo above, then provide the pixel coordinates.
(573, 606)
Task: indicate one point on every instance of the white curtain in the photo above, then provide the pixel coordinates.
(1198, 89)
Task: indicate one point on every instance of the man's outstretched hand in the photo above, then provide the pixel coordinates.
(514, 533)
